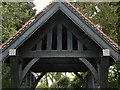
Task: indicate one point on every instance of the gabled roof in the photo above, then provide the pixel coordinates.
(33, 18)
(94, 28)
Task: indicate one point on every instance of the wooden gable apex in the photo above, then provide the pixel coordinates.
(81, 21)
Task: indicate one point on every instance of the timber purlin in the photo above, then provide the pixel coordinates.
(86, 19)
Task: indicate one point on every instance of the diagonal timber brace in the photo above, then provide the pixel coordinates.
(91, 68)
(27, 68)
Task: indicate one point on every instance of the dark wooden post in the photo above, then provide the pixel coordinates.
(90, 80)
(69, 41)
(14, 72)
(104, 65)
(59, 37)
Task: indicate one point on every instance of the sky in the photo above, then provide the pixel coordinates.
(40, 4)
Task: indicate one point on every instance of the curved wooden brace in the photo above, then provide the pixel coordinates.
(81, 79)
(37, 80)
(91, 68)
(27, 68)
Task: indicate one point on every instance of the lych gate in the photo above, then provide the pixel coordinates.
(59, 39)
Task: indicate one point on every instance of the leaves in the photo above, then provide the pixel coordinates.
(63, 82)
(15, 14)
(102, 14)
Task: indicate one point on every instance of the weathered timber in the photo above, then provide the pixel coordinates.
(91, 68)
(35, 40)
(27, 68)
(14, 72)
(59, 37)
(49, 40)
(80, 46)
(39, 45)
(58, 67)
(90, 80)
(72, 28)
(104, 67)
(69, 41)
(51, 54)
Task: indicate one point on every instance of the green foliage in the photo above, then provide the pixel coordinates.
(114, 76)
(113, 83)
(5, 76)
(42, 85)
(75, 83)
(105, 17)
(14, 15)
(54, 85)
(63, 82)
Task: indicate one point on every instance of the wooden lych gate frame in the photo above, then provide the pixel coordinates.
(59, 39)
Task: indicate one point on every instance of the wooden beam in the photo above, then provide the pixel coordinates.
(49, 40)
(14, 72)
(59, 37)
(69, 41)
(90, 80)
(81, 79)
(20, 69)
(98, 70)
(28, 80)
(91, 68)
(80, 46)
(35, 40)
(75, 31)
(104, 72)
(62, 68)
(51, 54)
(39, 45)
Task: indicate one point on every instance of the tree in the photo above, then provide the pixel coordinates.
(52, 76)
(63, 82)
(118, 23)
(42, 85)
(103, 15)
(114, 76)
(75, 83)
(5, 76)
(14, 14)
